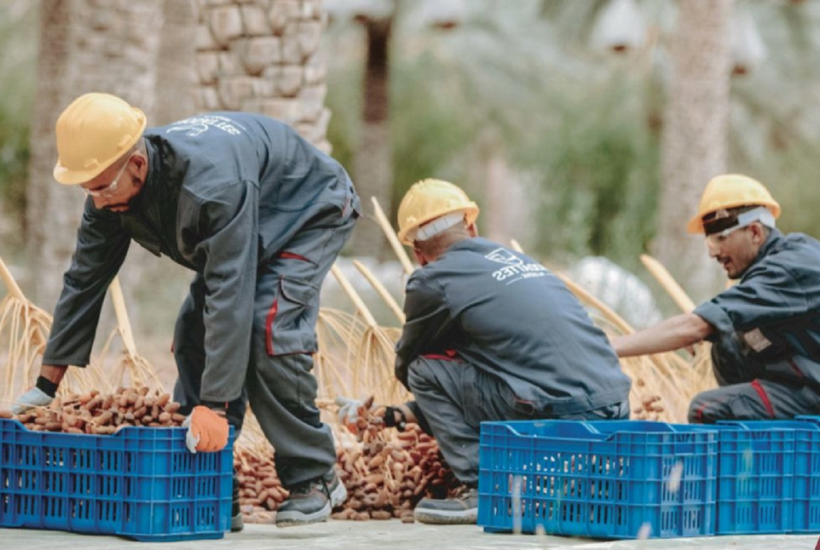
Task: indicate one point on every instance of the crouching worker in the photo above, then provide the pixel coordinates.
(765, 330)
(490, 335)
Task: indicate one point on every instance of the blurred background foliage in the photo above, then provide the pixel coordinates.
(578, 127)
(18, 44)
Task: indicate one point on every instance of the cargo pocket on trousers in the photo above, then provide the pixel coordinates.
(287, 327)
(518, 409)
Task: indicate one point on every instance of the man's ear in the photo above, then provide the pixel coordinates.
(472, 230)
(420, 257)
(140, 160)
(758, 233)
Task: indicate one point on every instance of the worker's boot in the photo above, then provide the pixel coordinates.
(460, 509)
(237, 524)
(312, 501)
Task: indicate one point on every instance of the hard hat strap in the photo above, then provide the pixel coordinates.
(726, 225)
(438, 225)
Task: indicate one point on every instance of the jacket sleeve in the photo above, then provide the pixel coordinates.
(228, 225)
(102, 245)
(766, 296)
(427, 317)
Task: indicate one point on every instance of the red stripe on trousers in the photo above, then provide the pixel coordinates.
(291, 256)
(449, 355)
(699, 413)
(763, 397)
(269, 326)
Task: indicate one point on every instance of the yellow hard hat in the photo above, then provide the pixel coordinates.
(429, 199)
(92, 133)
(730, 191)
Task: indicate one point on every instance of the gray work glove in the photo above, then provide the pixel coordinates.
(35, 397)
(351, 410)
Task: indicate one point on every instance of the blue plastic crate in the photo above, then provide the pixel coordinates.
(807, 477)
(568, 478)
(756, 476)
(140, 483)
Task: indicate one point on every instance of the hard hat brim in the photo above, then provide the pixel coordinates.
(695, 225)
(73, 177)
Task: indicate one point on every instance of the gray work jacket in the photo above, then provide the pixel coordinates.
(224, 193)
(511, 317)
(774, 309)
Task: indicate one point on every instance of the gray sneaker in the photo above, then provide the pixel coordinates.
(312, 501)
(237, 524)
(462, 509)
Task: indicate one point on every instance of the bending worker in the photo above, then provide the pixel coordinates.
(490, 334)
(765, 330)
(259, 215)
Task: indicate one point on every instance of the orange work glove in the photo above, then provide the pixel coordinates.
(207, 430)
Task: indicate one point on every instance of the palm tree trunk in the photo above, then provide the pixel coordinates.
(694, 140)
(373, 164)
(85, 46)
(48, 249)
(176, 71)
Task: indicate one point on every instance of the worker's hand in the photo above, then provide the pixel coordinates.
(207, 430)
(35, 397)
(352, 410)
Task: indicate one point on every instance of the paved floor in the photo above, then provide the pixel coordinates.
(390, 535)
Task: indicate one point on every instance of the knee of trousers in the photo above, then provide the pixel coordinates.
(696, 409)
(419, 375)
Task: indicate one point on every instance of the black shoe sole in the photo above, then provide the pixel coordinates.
(296, 518)
(442, 517)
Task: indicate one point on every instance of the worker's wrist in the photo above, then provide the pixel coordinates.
(53, 373)
(219, 407)
(394, 417)
(46, 386)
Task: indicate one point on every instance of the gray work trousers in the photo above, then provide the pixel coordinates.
(279, 383)
(745, 392)
(454, 398)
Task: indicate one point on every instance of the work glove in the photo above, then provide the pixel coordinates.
(352, 410)
(35, 397)
(207, 430)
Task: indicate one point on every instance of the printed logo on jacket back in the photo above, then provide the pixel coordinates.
(197, 125)
(515, 268)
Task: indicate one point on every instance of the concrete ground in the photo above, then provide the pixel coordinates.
(390, 535)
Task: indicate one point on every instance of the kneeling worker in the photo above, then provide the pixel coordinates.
(765, 330)
(490, 335)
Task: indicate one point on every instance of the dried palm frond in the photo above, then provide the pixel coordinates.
(702, 376)
(392, 238)
(662, 275)
(92, 377)
(375, 356)
(252, 439)
(24, 330)
(132, 368)
(381, 291)
(338, 334)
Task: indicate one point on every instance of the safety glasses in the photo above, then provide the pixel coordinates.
(740, 221)
(111, 189)
(716, 239)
